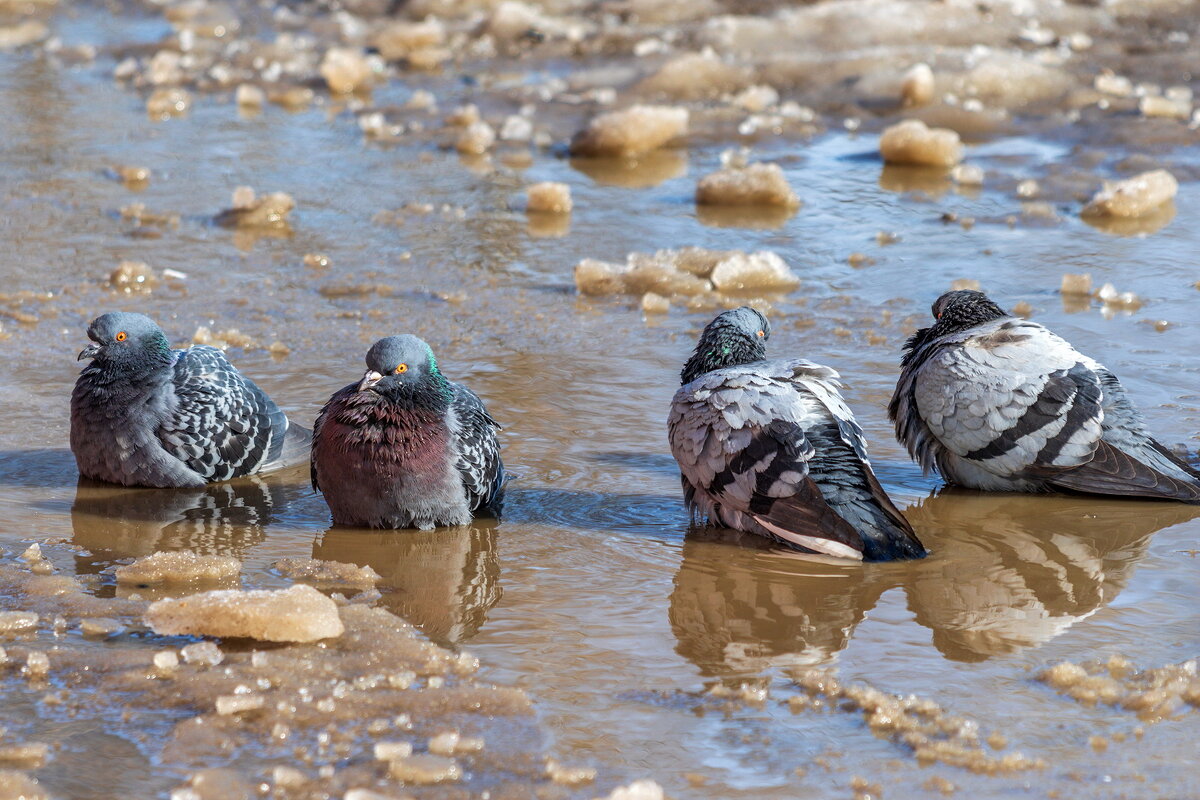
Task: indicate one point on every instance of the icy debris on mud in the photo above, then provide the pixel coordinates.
(1133, 197)
(913, 142)
(634, 130)
(326, 573)
(1153, 694)
(179, 566)
(689, 272)
(749, 185)
(250, 211)
(297, 614)
(548, 197)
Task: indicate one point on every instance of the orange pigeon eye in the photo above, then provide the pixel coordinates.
(122, 336)
(400, 370)
(762, 333)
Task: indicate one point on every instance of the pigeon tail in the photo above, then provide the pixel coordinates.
(291, 451)
(1115, 472)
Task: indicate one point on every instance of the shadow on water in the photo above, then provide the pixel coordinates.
(443, 581)
(114, 522)
(1006, 572)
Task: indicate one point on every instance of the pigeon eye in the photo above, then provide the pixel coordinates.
(762, 334)
(400, 370)
(122, 336)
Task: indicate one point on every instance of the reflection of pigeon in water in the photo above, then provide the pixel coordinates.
(770, 447)
(443, 581)
(405, 447)
(736, 611)
(998, 403)
(143, 414)
(1012, 573)
(219, 519)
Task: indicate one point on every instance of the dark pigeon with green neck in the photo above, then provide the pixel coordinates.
(405, 447)
(143, 414)
(770, 447)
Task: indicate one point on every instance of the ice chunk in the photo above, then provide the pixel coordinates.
(22, 34)
(634, 130)
(1079, 285)
(476, 139)
(37, 664)
(133, 176)
(250, 97)
(297, 614)
(1135, 196)
(389, 751)
(99, 627)
(399, 39)
(326, 573)
(346, 70)
(166, 103)
(228, 704)
(249, 211)
(17, 621)
(638, 790)
(757, 98)
(764, 270)
(425, 769)
(599, 277)
(450, 743)
(655, 303)
(549, 197)
(179, 566)
(203, 653)
(692, 76)
(751, 185)
(913, 142)
(967, 175)
(569, 776)
(916, 88)
(1155, 106)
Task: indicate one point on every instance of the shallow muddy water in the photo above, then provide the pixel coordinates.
(592, 594)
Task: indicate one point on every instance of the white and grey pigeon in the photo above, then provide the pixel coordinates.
(770, 447)
(998, 403)
(405, 447)
(143, 414)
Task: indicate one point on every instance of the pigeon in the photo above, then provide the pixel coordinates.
(143, 414)
(405, 447)
(770, 447)
(998, 403)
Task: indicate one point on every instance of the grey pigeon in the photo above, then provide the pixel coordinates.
(405, 447)
(770, 447)
(999, 403)
(143, 414)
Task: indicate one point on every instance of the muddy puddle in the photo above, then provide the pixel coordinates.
(608, 636)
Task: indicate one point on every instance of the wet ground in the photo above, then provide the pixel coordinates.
(592, 595)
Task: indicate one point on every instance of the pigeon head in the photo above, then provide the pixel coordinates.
(734, 337)
(954, 311)
(403, 368)
(964, 309)
(127, 342)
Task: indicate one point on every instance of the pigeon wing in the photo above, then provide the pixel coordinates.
(479, 461)
(740, 436)
(222, 424)
(1011, 397)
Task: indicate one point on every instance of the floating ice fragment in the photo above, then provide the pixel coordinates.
(166, 103)
(206, 654)
(346, 70)
(1155, 106)
(917, 87)
(750, 185)
(326, 573)
(763, 270)
(1079, 285)
(914, 142)
(638, 790)
(634, 130)
(297, 614)
(549, 197)
(1135, 196)
(388, 751)
(476, 139)
(450, 743)
(179, 566)
(17, 621)
(238, 703)
(425, 769)
(967, 175)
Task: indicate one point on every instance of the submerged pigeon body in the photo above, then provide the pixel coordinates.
(143, 414)
(405, 447)
(770, 447)
(998, 403)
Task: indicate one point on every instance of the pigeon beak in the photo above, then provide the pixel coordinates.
(91, 351)
(370, 379)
